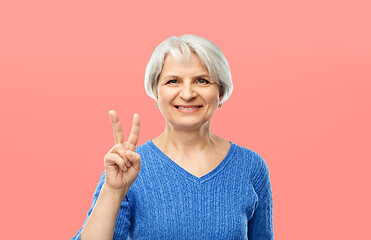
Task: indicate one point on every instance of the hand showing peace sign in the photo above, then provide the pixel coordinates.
(122, 163)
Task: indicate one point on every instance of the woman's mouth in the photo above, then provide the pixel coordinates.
(179, 107)
(188, 109)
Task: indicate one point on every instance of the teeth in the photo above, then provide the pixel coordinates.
(187, 108)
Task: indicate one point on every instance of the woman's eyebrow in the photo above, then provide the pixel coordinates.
(197, 76)
(203, 76)
(170, 76)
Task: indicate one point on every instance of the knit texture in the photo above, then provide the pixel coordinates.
(233, 201)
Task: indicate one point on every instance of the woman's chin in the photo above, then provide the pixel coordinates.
(188, 125)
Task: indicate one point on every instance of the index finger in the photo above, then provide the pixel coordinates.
(135, 129)
(117, 129)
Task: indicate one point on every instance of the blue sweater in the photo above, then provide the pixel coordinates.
(233, 201)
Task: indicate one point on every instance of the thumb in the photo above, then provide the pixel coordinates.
(134, 158)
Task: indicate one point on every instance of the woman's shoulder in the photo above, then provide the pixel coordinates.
(148, 151)
(145, 147)
(246, 153)
(258, 167)
(255, 161)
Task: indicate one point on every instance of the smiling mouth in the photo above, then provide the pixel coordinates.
(192, 107)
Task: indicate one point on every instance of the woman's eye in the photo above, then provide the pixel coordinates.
(172, 81)
(203, 81)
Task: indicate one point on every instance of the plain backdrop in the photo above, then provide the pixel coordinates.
(301, 99)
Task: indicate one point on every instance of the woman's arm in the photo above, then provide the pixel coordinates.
(122, 225)
(101, 222)
(261, 224)
(122, 166)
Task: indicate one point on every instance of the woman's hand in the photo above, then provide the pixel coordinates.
(122, 163)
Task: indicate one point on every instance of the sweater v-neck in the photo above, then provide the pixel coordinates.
(189, 175)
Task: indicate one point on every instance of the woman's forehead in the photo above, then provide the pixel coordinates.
(172, 66)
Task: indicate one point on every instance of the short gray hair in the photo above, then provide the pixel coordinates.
(179, 47)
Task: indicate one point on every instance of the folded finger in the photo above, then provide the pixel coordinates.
(120, 150)
(112, 159)
(134, 158)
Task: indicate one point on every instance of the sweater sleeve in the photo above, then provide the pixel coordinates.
(260, 226)
(123, 217)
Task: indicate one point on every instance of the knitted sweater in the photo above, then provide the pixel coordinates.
(233, 201)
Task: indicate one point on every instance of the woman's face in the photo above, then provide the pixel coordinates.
(186, 95)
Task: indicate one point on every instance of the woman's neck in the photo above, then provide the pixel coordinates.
(186, 141)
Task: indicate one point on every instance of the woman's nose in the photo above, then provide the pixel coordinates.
(187, 92)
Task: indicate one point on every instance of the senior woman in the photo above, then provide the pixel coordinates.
(186, 183)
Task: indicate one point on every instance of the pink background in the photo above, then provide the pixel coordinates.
(302, 78)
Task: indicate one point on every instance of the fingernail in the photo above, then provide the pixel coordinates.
(131, 154)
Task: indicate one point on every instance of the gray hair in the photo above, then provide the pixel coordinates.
(180, 47)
